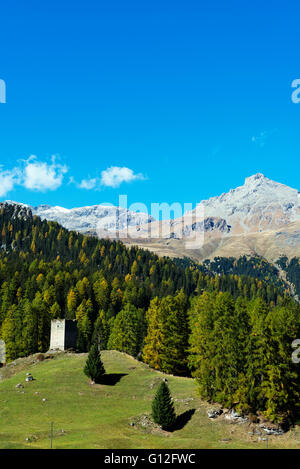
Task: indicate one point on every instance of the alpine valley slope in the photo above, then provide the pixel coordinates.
(262, 218)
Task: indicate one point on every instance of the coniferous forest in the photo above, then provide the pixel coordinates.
(232, 332)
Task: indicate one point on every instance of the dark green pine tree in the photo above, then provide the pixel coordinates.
(163, 412)
(94, 367)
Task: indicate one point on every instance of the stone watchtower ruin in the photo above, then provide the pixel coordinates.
(63, 334)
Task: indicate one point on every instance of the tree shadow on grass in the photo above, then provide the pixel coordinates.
(111, 379)
(183, 419)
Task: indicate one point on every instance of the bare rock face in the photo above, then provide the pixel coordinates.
(259, 205)
(262, 218)
(105, 219)
(97, 218)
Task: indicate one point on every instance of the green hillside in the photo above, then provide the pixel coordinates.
(99, 416)
(234, 333)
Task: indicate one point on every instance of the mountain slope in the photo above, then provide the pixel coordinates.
(259, 205)
(48, 272)
(102, 219)
(261, 217)
(100, 416)
(114, 293)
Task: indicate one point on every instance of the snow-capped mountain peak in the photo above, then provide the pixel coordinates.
(259, 205)
(256, 178)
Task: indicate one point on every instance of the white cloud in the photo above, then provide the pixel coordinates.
(88, 183)
(110, 177)
(32, 174)
(41, 176)
(114, 176)
(8, 179)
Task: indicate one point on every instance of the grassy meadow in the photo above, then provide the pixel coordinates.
(100, 416)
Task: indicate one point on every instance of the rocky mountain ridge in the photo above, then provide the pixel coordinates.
(106, 219)
(261, 217)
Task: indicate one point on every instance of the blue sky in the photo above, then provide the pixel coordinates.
(183, 99)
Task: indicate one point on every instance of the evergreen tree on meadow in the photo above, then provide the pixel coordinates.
(94, 367)
(163, 412)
